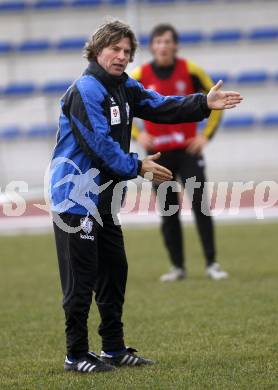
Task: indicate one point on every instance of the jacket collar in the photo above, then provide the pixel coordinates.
(95, 69)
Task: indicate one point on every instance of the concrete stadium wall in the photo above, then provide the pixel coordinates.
(234, 156)
(206, 16)
(38, 109)
(241, 155)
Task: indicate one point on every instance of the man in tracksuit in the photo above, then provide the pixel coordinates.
(90, 161)
(181, 146)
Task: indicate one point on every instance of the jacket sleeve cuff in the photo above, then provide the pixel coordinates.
(139, 167)
(204, 105)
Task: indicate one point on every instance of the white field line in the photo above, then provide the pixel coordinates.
(43, 224)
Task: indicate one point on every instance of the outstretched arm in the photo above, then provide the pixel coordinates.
(150, 105)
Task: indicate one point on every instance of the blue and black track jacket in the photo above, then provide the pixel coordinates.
(95, 131)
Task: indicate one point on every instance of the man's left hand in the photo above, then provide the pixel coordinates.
(222, 100)
(197, 144)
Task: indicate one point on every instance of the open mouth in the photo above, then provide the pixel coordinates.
(120, 66)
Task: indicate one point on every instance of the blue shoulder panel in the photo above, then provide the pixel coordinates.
(93, 94)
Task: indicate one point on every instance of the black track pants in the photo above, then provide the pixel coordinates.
(94, 261)
(184, 166)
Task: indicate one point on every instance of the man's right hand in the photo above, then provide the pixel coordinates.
(222, 100)
(159, 173)
(145, 140)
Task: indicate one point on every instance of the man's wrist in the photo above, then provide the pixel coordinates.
(204, 136)
(139, 167)
(204, 105)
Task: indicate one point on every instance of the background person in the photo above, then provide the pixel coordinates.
(180, 144)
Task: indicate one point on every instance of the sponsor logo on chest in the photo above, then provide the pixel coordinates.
(115, 115)
(180, 87)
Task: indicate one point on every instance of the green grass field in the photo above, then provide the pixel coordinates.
(204, 334)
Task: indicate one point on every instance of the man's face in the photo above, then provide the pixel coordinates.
(115, 57)
(164, 49)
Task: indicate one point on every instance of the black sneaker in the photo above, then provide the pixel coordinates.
(127, 358)
(90, 363)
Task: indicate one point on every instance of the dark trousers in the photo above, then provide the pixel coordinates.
(184, 166)
(98, 264)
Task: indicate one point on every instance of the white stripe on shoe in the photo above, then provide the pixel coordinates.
(68, 361)
(91, 368)
(129, 361)
(93, 354)
(124, 359)
(81, 365)
(135, 361)
(85, 368)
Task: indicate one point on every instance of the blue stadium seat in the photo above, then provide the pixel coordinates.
(144, 39)
(10, 133)
(41, 131)
(76, 43)
(36, 131)
(33, 45)
(18, 89)
(71, 44)
(240, 121)
(225, 77)
(263, 33)
(13, 6)
(161, 1)
(5, 47)
(191, 37)
(226, 36)
(49, 4)
(116, 2)
(55, 87)
(201, 125)
(85, 3)
(276, 77)
(176, 1)
(60, 86)
(253, 77)
(270, 120)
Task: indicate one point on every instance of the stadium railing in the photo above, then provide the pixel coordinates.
(21, 5)
(262, 34)
(11, 133)
(236, 122)
(59, 87)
